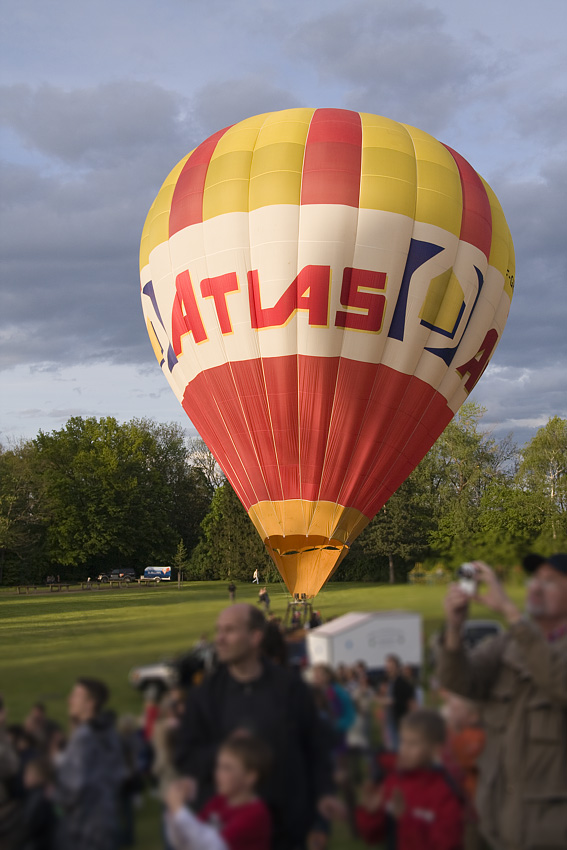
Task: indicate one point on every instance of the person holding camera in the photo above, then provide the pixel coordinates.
(519, 680)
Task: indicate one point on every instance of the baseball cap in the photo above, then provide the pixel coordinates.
(558, 561)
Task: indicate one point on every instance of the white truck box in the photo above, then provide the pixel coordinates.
(368, 637)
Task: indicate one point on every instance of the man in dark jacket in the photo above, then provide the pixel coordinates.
(400, 696)
(89, 772)
(249, 695)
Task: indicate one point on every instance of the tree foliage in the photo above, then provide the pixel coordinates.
(98, 494)
(543, 471)
(230, 546)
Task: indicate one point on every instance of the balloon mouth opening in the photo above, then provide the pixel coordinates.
(311, 549)
(292, 546)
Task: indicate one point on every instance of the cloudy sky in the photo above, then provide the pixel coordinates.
(99, 100)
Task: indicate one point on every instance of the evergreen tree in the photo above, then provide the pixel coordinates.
(399, 532)
(230, 546)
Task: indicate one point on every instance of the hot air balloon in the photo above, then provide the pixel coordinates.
(322, 289)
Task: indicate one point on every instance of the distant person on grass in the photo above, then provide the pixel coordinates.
(232, 592)
(519, 680)
(264, 599)
(249, 695)
(89, 772)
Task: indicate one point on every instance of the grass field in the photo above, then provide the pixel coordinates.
(48, 640)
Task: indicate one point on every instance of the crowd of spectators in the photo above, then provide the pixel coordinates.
(260, 755)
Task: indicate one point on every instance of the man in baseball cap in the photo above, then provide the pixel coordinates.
(558, 562)
(519, 680)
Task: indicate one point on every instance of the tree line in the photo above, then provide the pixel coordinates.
(98, 494)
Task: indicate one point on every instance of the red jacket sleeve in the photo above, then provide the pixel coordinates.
(370, 825)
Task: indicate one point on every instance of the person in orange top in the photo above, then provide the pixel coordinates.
(465, 743)
(466, 739)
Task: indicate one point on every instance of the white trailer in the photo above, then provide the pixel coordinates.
(368, 637)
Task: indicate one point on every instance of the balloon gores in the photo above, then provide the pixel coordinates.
(323, 289)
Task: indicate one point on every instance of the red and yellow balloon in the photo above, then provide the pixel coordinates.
(322, 289)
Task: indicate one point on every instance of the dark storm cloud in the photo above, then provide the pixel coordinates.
(71, 230)
(546, 120)
(397, 58)
(536, 210)
(93, 126)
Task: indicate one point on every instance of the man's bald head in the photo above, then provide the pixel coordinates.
(240, 630)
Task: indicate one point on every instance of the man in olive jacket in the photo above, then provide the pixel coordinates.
(519, 680)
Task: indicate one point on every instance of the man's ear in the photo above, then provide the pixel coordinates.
(257, 638)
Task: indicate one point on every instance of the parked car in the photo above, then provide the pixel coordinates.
(156, 574)
(154, 679)
(474, 631)
(120, 574)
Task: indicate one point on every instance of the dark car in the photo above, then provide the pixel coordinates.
(474, 631)
(121, 574)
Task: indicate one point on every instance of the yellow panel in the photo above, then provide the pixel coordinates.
(388, 171)
(275, 187)
(234, 165)
(324, 520)
(388, 194)
(156, 227)
(381, 132)
(229, 196)
(290, 125)
(502, 255)
(280, 156)
(277, 164)
(228, 175)
(240, 137)
(276, 175)
(443, 301)
(439, 193)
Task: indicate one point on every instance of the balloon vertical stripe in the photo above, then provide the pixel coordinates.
(187, 201)
(476, 225)
(333, 154)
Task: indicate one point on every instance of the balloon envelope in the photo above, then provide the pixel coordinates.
(322, 289)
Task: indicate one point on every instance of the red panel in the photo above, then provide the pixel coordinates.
(476, 224)
(333, 155)
(325, 428)
(316, 391)
(187, 200)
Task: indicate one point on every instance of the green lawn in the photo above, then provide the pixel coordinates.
(48, 640)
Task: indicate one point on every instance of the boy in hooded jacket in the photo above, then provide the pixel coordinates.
(417, 804)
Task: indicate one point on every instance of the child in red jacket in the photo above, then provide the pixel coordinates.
(416, 806)
(235, 819)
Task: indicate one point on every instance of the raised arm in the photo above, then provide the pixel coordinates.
(471, 675)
